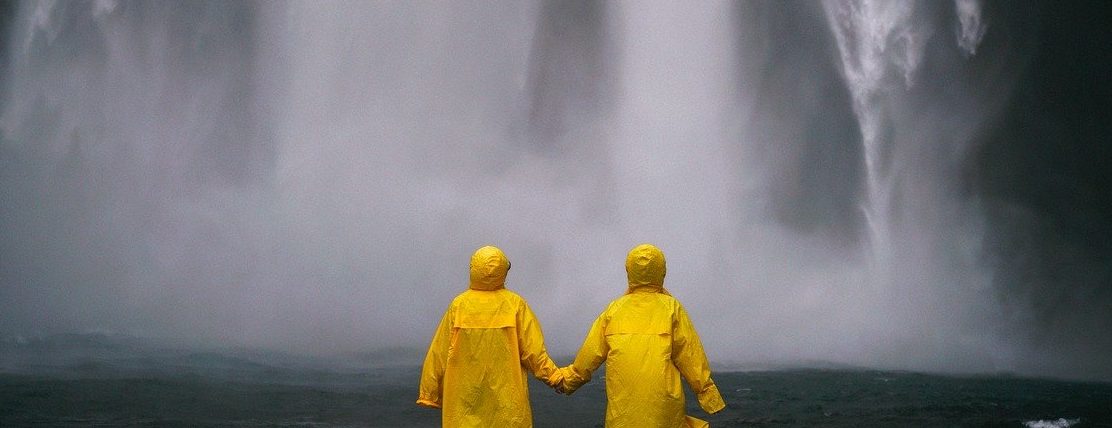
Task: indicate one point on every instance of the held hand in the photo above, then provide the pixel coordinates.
(556, 381)
(567, 384)
(560, 388)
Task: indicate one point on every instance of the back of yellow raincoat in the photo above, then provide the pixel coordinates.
(475, 370)
(647, 341)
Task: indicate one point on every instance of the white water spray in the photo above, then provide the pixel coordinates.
(973, 26)
(881, 47)
(398, 142)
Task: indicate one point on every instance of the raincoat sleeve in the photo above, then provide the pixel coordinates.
(691, 360)
(534, 356)
(591, 355)
(432, 374)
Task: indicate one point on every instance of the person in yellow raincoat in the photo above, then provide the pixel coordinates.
(475, 369)
(647, 341)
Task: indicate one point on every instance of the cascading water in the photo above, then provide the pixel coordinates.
(265, 174)
(881, 48)
(670, 148)
(921, 254)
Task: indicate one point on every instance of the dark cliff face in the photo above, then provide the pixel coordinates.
(7, 16)
(1036, 167)
(804, 120)
(1043, 173)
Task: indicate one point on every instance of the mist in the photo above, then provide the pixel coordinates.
(899, 185)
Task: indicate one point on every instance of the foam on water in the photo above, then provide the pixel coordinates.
(1059, 423)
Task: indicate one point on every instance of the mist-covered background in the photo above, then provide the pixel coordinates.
(905, 185)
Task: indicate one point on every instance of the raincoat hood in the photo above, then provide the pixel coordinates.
(645, 267)
(488, 269)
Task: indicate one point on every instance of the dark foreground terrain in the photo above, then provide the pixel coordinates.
(116, 386)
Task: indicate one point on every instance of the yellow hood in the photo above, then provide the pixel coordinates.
(488, 269)
(645, 267)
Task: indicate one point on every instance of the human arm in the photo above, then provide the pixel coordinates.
(691, 360)
(534, 356)
(432, 373)
(591, 355)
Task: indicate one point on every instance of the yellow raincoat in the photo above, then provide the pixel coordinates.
(647, 342)
(475, 370)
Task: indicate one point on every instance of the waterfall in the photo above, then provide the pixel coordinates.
(882, 45)
(265, 174)
(671, 149)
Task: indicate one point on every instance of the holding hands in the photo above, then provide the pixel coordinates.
(569, 381)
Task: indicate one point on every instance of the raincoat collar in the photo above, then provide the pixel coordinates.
(645, 269)
(489, 266)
